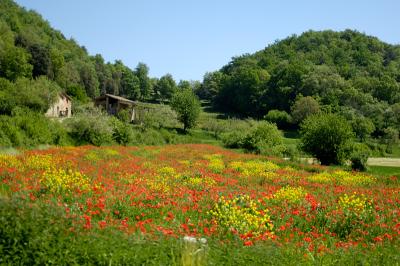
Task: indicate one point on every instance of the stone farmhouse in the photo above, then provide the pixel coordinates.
(61, 108)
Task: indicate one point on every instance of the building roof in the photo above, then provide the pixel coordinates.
(66, 96)
(119, 98)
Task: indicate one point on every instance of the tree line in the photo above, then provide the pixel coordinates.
(347, 73)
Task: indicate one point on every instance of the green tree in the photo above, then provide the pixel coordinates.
(142, 72)
(14, 63)
(304, 107)
(327, 137)
(211, 85)
(41, 60)
(165, 87)
(186, 104)
(362, 127)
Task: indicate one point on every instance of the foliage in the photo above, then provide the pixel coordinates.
(165, 87)
(157, 117)
(36, 95)
(281, 118)
(338, 69)
(262, 138)
(90, 128)
(122, 133)
(359, 156)
(26, 128)
(362, 127)
(304, 107)
(265, 138)
(327, 137)
(187, 106)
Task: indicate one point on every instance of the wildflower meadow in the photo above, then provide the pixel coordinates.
(191, 204)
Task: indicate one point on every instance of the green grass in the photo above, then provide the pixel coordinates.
(384, 170)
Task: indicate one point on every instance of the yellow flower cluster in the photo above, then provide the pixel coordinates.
(200, 182)
(343, 178)
(216, 164)
(253, 168)
(354, 204)
(40, 162)
(10, 161)
(167, 171)
(323, 177)
(348, 178)
(99, 154)
(290, 194)
(59, 180)
(242, 215)
(159, 184)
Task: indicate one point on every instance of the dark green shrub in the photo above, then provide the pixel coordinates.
(27, 129)
(281, 118)
(265, 138)
(359, 157)
(90, 128)
(125, 115)
(327, 137)
(123, 133)
(4, 140)
(233, 140)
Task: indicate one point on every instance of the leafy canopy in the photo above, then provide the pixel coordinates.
(328, 137)
(186, 104)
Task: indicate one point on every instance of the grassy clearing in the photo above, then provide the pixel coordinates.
(384, 170)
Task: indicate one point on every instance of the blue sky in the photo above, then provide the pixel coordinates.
(188, 38)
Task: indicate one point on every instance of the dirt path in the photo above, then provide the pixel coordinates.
(384, 161)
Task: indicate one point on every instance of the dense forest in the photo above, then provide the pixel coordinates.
(349, 73)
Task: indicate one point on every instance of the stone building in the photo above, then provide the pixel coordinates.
(61, 108)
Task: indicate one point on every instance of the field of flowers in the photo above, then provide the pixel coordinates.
(203, 198)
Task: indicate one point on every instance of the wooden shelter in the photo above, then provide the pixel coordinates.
(114, 104)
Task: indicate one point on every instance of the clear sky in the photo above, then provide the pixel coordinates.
(188, 38)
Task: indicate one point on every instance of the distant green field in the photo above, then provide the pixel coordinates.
(384, 170)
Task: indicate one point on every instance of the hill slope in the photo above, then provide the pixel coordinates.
(30, 48)
(347, 72)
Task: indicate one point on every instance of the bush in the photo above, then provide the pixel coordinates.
(26, 128)
(327, 137)
(158, 117)
(91, 128)
(233, 140)
(265, 138)
(359, 157)
(281, 118)
(124, 115)
(123, 133)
